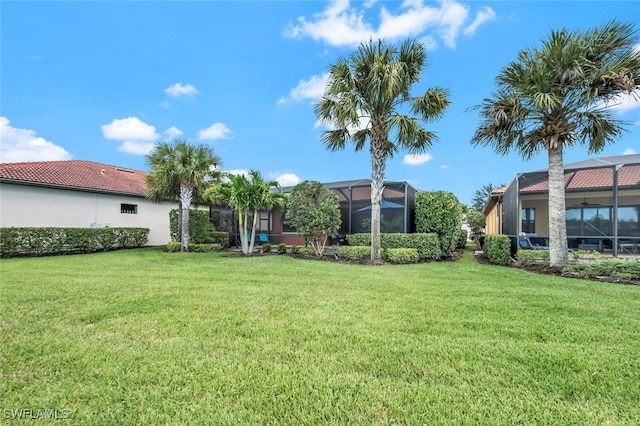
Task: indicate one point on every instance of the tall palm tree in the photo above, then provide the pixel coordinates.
(180, 170)
(363, 101)
(556, 97)
(246, 194)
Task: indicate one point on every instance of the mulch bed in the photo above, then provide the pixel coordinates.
(545, 269)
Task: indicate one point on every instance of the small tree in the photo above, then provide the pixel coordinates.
(440, 213)
(314, 210)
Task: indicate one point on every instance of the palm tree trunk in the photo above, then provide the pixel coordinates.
(558, 254)
(242, 226)
(378, 163)
(253, 230)
(185, 200)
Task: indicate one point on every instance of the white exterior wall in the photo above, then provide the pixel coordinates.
(33, 206)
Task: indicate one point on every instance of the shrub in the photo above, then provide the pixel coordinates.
(427, 245)
(497, 249)
(201, 230)
(266, 248)
(529, 257)
(56, 241)
(282, 248)
(461, 242)
(174, 246)
(294, 249)
(621, 268)
(204, 248)
(354, 252)
(439, 212)
(401, 255)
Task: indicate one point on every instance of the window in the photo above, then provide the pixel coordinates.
(129, 208)
(285, 226)
(529, 220)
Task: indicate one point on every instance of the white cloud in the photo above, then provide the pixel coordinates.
(288, 179)
(179, 90)
(310, 89)
(484, 15)
(215, 131)
(18, 145)
(137, 137)
(340, 24)
(625, 103)
(629, 151)
(416, 159)
(445, 167)
(172, 132)
(164, 104)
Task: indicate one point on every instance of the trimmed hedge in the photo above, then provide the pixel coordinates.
(174, 247)
(427, 245)
(201, 230)
(56, 241)
(497, 249)
(463, 236)
(401, 255)
(439, 212)
(354, 252)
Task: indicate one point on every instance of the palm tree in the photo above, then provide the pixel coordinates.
(362, 102)
(180, 170)
(246, 194)
(556, 97)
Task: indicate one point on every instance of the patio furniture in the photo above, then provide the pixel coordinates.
(525, 243)
(630, 247)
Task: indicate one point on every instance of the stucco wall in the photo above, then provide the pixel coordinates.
(31, 206)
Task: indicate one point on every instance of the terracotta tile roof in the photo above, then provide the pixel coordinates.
(78, 174)
(628, 176)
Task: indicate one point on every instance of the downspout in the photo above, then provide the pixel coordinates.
(350, 206)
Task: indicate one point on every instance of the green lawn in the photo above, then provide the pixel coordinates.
(146, 337)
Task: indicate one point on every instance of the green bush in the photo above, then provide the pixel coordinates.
(497, 249)
(439, 212)
(622, 268)
(173, 246)
(55, 241)
(201, 230)
(463, 236)
(401, 255)
(294, 249)
(354, 252)
(529, 257)
(427, 245)
(282, 248)
(266, 248)
(204, 248)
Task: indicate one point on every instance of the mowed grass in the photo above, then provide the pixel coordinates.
(147, 337)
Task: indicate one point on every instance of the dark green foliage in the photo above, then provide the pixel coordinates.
(174, 247)
(294, 249)
(401, 255)
(528, 257)
(282, 248)
(622, 268)
(266, 248)
(427, 245)
(497, 249)
(439, 212)
(461, 242)
(314, 210)
(354, 252)
(55, 241)
(201, 230)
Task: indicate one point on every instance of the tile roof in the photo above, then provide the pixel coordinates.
(602, 178)
(76, 174)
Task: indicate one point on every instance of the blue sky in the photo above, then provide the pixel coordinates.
(106, 80)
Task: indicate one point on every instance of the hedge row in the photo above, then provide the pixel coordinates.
(53, 241)
(497, 249)
(174, 246)
(427, 245)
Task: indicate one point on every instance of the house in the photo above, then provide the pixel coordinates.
(79, 194)
(397, 211)
(602, 198)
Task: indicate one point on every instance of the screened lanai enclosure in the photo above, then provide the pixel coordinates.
(602, 200)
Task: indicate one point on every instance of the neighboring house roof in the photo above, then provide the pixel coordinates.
(594, 174)
(76, 174)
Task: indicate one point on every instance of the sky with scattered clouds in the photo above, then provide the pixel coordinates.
(106, 81)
